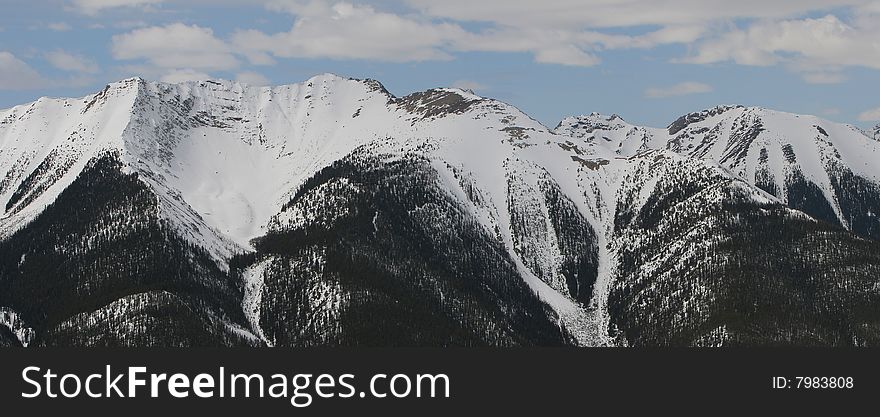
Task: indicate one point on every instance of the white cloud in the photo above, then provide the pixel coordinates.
(92, 7)
(184, 75)
(566, 55)
(576, 14)
(872, 115)
(175, 46)
(59, 27)
(342, 30)
(347, 31)
(469, 85)
(257, 57)
(252, 78)
(16, 74)
(681, 89)
(71, 62)
(557, 32)
(810, 45)
(770, 33)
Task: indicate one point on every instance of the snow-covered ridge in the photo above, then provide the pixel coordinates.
(612, 133)
(223, 156)
(700, 116)
(778, 151)
(713, 133)
(45, 144)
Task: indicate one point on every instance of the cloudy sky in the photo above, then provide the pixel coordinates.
(647, 60)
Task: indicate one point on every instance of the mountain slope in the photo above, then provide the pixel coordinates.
(384, 255)
(98, 266)
(825, 169)
(707, 260)
(220, 159)
(333, 213)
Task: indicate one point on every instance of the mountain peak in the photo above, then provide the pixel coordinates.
(437, 102)
(129, 81)
(324, 79)
(331, 78)
(466, 94)
(328, 76)
(578, 126)
(690, 118)
(150, 188)
(126, 84)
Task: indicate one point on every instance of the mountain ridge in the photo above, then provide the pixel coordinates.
(800, 159)
(327, 201)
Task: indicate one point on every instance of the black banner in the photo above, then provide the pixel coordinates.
(472, 381)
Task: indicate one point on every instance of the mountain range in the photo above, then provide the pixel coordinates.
(333, 213)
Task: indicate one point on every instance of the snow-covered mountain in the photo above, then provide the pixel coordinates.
(331, 212)
(825, 169)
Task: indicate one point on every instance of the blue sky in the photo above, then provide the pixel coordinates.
(648, 60)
